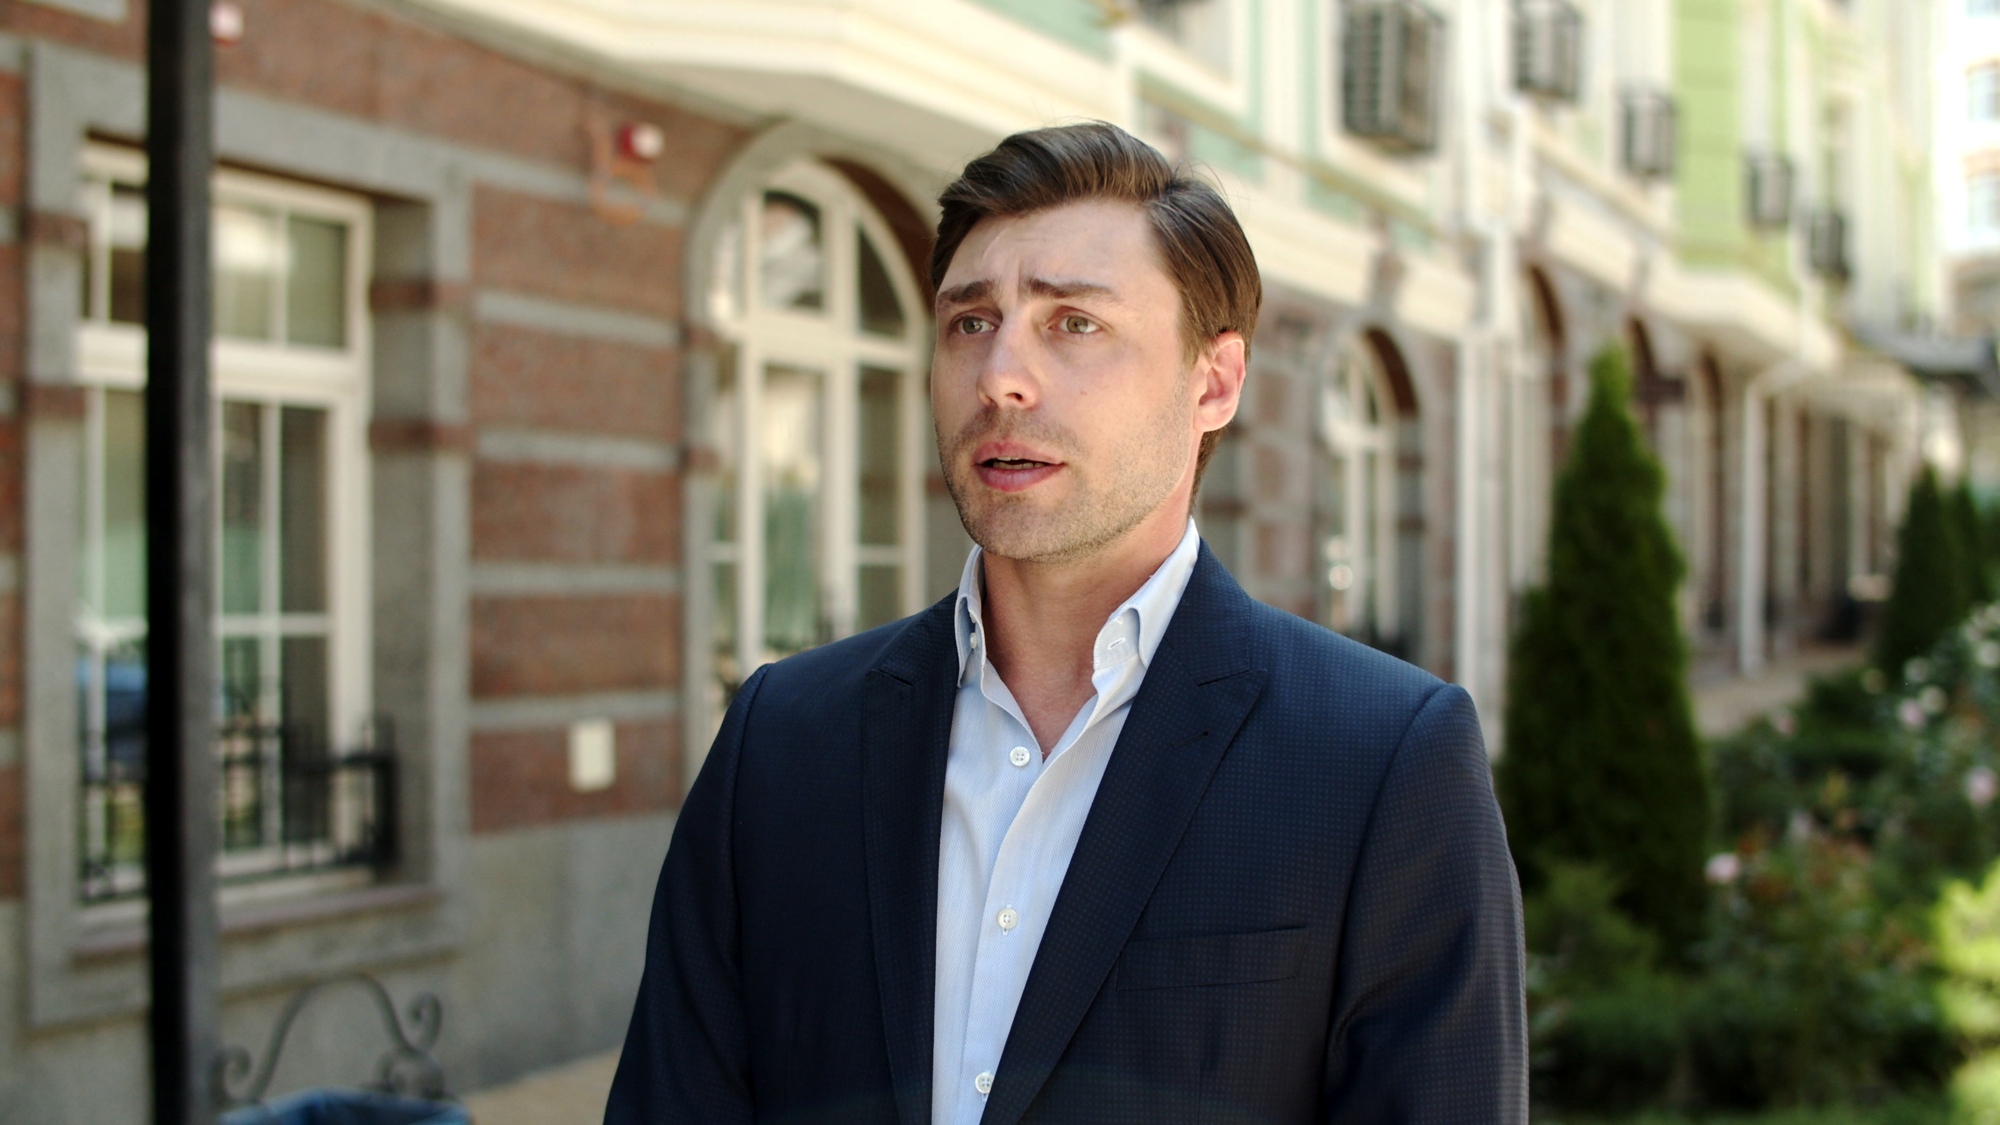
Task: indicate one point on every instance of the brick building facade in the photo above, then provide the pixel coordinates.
(505, 539)
(529, 448)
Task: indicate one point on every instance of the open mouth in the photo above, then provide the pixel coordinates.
(1013, 474)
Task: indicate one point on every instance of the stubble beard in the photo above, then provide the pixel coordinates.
(1111, 493)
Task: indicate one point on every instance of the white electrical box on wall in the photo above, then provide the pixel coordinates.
(593, 755)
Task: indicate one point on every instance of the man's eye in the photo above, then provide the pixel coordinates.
(972, 325)
(1080, 325)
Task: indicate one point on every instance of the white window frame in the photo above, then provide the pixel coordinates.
(1982, 110)
(112, 356)
(1983, 220)
(830, 342)
(1369, 522)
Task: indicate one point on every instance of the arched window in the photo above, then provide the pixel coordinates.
(1357, 502)
(818, 419)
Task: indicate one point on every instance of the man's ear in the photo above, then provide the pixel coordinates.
(1220, 373)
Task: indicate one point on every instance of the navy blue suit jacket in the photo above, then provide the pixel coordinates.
(1292, 899)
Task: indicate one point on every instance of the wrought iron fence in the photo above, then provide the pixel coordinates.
(289, 806)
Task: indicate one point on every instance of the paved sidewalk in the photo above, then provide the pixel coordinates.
(571, 1094)
(1724, 706)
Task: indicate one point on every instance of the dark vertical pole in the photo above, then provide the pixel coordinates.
(182, 821)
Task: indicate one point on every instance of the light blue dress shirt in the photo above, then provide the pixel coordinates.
(1011, 822)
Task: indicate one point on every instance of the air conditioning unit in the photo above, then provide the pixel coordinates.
(1392, 68)
(1826, 244)
(1548, 49)
(1768, 182)
(1648, 142)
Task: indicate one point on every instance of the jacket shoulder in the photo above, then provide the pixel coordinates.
(833, 672)
(1308, 661)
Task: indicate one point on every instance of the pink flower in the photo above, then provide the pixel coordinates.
(1912, 714)
(1981, 786)
(1723, 868)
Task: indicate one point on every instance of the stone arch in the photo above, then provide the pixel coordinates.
(900, 192)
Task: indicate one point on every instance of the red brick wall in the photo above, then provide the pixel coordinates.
(521, 779)
(364, 63)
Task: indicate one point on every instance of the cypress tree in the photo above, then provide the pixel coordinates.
(1970, 531)
(1602, 763)
(1930, 594)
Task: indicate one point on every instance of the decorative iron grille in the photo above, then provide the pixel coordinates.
(1392, 67)
(1826, 243)
(1648, 142)
(288, 807)
(1769, 190)
(1548, 49)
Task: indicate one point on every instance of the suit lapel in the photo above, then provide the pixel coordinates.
(1196, 694)
(906, 733)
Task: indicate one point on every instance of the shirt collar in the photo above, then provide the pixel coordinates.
(1135, 628)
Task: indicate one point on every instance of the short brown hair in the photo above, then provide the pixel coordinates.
(1206, 252)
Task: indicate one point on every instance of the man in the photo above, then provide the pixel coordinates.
(1097, 838)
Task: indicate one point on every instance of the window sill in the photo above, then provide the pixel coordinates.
(255, 918)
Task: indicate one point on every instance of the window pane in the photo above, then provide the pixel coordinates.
(247, 257)
(881, 456)
(728, 671)
(723, 423)
(128, 254)
(244, 753)
(1983, 86)
(316, 288)
(1370, 609)
(789, 437)
(242, 681)
(125, 708)
(302, 509)
(302, 687)
(881, 312)
(125, 751)
(1983, 199)
(305, 742)
(792, 255)
(124, 504)
(880, 597)
(242, 507)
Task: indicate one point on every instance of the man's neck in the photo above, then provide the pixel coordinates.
(1042, 619)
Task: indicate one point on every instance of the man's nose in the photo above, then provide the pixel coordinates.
(1010, 373)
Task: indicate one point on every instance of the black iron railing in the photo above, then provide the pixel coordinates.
(289, 806)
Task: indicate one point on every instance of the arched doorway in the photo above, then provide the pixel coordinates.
(818, 421)
(1368, 502)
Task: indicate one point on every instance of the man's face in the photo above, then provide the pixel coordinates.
(1066, 410)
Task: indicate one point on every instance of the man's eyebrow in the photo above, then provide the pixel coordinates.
(965, 294)
(1063, 290)
(1057, 288)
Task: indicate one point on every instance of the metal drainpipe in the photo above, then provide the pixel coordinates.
(181, 814)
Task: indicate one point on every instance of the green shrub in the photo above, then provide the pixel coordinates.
(1605, 1024)
(1602, 764)
(1930, 594)
(1969, 531)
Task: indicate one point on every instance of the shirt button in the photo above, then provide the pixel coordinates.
(1008, 920)
(983, 1083)
(1018, 755)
